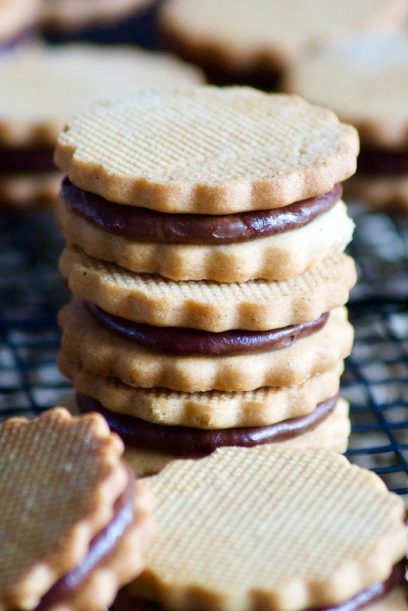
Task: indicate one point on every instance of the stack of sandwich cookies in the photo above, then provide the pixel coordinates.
(237, 351)
(274, 530)
(75, 523)
(41, 87)
(364, 80)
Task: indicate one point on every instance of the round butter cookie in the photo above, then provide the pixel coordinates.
(256, 305)
(364, 80)
(253, 41)
(75, 523)
(205, 150)
(272, 529)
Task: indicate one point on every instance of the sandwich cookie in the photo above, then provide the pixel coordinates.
(190, 360)
(75, 522)
(42, 87)
(256, 305)
(237, 41)
(210, 155)
(370, 91)
(297, 529)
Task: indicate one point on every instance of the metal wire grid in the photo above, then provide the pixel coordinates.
(376, 378)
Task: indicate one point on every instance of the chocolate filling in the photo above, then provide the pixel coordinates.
(100, 547)
(192, 442)
(26, 160)
(182, 341)
(151, 226)
(367, 597)
(385, 163)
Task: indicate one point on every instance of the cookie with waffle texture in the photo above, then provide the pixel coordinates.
(206, 150)
(107, 353)
(369, 91)
(282, 529)
(254, 42)
(75, 523)
(254, 305)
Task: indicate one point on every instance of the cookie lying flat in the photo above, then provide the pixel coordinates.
(209, 410)
(105, 353)
(351, 79)
(75, 524)
(74, 14)
(23, 191)
(283, 529)
(277, 257)
(254, 42)
(256, 305)
(206, 150)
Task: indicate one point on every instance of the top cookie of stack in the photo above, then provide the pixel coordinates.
(232, 197)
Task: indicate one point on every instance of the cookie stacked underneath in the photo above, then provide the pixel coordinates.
(205, 234)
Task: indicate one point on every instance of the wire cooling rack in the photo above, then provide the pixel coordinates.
(376, 377)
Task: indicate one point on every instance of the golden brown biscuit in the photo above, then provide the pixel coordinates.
(206, 150)
(273, 529)
(254, 305)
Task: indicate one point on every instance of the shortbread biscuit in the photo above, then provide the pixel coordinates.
(17, 17)
(332, 434)
(255, 305)
(243, 41)
(75, 525)
(41, 87)
(206, 150)
(282, 529)
(382, 192)
(104, 353)
(209, 410)
(364, 81)
(277, 257)
(22, 191)
(75, 14)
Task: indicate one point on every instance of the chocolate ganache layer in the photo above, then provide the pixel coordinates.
(370, 595)
(183, 341)
(26, 161)
(385, 163)
(151, 226)
(191, 442)
(100, 547)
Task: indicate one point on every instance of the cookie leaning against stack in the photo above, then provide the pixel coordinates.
(365, 81)
(245, 530)
(75, 525)
(205, 234)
